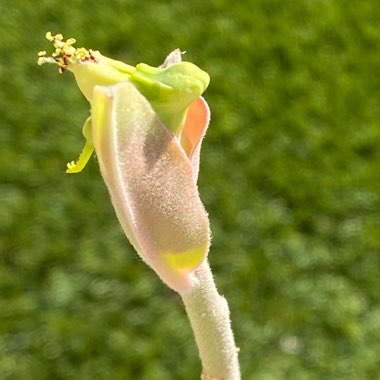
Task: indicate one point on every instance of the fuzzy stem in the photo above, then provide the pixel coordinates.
(210, 320)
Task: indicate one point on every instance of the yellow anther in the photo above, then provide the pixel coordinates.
(65, 53)
(58, 44)
(69, 50)
(49, 36)
(41, 53)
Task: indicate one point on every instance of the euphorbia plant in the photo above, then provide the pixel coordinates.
(146, 127)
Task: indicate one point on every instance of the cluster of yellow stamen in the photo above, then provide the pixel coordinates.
(65, 53)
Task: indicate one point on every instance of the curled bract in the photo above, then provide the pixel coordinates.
(152, 182)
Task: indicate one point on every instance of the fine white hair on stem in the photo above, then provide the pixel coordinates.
(210, 320)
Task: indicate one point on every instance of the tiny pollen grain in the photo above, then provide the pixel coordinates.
(65, 53)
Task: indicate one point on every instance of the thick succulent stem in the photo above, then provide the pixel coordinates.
(210, 320)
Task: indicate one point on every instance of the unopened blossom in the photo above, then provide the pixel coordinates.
(146, 127)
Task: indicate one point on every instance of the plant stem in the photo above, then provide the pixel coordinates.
(210, 320)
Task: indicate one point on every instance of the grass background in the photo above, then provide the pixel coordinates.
(290, 177)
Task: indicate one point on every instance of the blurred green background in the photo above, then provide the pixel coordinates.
(289, 175)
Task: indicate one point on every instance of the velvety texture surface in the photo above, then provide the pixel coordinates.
(152, 182)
